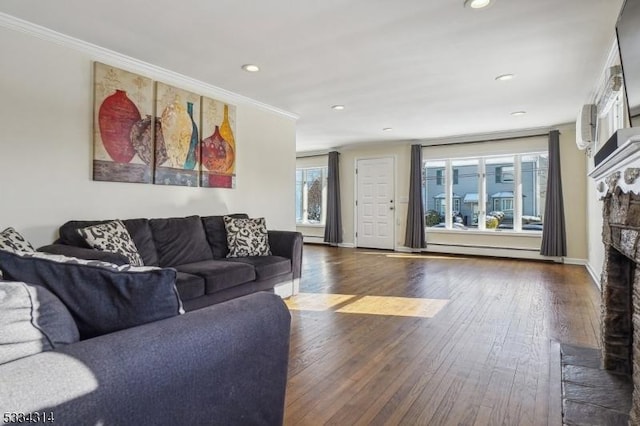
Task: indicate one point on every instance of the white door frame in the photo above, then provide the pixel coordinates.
(394, 161)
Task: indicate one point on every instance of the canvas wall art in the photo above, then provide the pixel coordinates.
(123, 126)
(218, 148)
(178, 147)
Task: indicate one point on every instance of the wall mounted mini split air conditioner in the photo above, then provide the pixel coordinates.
(586, 126)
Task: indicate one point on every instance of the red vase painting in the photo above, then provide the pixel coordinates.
(116, 117)
(218, 150)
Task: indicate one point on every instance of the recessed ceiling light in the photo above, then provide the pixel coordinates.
(477, 4)
(517, 113)
(251, 68)
(505, 77)
(387, 129)
(337, 107)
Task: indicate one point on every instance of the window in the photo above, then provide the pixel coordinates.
(311, 196)
(465, 192)
(440, 177)
(487, 193)
(504, 174)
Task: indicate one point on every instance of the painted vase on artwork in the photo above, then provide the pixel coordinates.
(192, 156)
(217, 153)
(225, 129)
(116, 117)
(141, 139)
(176, 130)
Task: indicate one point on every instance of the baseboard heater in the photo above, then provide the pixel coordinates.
(484, 247)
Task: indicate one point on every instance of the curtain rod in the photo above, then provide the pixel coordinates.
(537, 135)
(313, 155)
(316, 155)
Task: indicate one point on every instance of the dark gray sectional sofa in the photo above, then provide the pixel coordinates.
(197, 248)
(224, 364)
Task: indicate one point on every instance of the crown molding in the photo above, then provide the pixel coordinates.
(98, 53)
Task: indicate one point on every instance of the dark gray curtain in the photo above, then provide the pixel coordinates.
(414, 236)
(333, 226)
(554, 239)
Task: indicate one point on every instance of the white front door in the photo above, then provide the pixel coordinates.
(375, 201)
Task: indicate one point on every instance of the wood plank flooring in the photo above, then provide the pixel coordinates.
(483, 358)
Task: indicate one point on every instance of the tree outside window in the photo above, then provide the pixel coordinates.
(311, 195)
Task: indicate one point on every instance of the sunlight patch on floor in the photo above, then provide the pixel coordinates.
(397, 306)
(316, 301)
(368, 305)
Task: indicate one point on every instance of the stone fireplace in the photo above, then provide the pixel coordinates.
(618, 184)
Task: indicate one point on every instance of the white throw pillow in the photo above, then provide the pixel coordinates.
(112, 237)
(247, 237)
(11, 240)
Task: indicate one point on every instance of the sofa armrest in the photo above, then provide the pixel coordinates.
(288, 244)
(85, 253)
(225, 364)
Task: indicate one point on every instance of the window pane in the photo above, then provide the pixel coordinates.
(534, 190)
(465, 194)
(500, 192)
(314, 194)
(434, 193)
(311, 194)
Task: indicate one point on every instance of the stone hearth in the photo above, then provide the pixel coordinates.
(618, 184)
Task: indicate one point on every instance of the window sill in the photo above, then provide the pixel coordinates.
(310, 225)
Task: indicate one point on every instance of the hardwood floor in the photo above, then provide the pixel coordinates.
(479, 354)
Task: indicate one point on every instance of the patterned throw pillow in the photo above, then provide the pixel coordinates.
(112, 237)
(247, 237)
(11, 240)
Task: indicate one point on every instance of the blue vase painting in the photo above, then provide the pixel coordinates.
(192, 155)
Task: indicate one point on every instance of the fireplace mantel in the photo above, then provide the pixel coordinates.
(621, 168)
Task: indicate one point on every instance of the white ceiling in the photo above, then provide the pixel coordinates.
(426, 68)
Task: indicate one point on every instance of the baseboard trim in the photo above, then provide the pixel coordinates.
(574, 261)
(594, 276)
(313, 240)
(347, 245)
(490, 251)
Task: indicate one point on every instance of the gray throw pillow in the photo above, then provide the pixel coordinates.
(101, 297)
(247, 237)
(32, 320)
(112, 237)
(11, 240)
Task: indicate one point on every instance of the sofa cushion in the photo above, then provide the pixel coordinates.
(11, 240)
(101, 297)
(247, 237)
(189, 286)
(33, 320)
(140, 232)
(138, 229)
(266, 266)
(112, 237)
(217, 233)
(180, 240)
(220, 274)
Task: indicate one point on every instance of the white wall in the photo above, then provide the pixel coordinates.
(46, 150)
